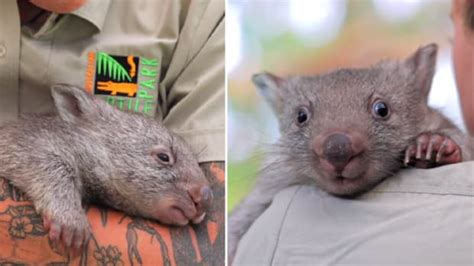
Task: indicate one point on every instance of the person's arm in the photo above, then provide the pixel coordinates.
(192, 93)
(463, 56)
(117, 239)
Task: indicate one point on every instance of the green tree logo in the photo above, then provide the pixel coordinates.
(111, 68)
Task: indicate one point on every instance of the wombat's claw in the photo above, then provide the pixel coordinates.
(67, 238)
(431, 150)
(409, 152)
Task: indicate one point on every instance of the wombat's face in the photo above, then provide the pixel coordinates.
(145, 169)
(347, 130)
(162, 179)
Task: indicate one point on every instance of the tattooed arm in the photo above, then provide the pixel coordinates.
(117, 239)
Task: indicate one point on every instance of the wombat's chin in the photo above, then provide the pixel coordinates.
(176, 216)
(345, 187)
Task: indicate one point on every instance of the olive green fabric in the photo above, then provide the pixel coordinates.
(9, 55)
(177, 45)
(419, 217)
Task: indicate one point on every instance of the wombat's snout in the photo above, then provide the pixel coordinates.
(202, 197)
(338, 149)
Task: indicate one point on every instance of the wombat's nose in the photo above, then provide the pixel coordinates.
(201, 195)
(337, 150)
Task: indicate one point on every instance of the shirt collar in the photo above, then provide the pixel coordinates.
(94, 11)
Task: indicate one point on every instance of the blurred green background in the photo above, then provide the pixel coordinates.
(303, 37)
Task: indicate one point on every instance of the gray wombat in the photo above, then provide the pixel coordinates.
(347, 130)
(90, 151)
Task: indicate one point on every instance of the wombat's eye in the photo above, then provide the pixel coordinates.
(163, 157)
(302, 115)
(380, 109)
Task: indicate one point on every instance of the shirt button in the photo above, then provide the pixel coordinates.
(3, 51)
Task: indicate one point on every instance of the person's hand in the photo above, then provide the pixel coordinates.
(463, 57)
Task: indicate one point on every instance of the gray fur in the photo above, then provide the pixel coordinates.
(341, 100)
(90, 151)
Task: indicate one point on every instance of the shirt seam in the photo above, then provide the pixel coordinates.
(283, 224)
(460, 194)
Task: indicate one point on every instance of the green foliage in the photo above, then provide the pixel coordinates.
(241, 178)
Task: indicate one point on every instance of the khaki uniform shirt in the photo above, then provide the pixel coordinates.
(162, 58)
(419, 217)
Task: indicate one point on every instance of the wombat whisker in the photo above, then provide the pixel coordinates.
(280, 147)
(274, 165)
(387, 172)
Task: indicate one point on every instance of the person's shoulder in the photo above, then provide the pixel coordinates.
(454, 179)
(304, 223)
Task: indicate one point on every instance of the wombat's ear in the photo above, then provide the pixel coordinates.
(423, 64)
(72, 103)
(270, 87)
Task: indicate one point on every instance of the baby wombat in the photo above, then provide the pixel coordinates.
(347, 130)
(92, 152)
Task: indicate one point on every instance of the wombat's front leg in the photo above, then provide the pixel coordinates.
(433, 149)
(67, 226)
(60, 204)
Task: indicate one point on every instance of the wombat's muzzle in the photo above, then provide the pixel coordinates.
(339, 148)
(202, 197)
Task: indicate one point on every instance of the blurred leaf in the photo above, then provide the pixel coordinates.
(242, 176)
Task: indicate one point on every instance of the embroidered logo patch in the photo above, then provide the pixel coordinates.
(127, 82)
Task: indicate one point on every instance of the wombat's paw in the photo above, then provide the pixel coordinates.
(431, 150)
(68, 236)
